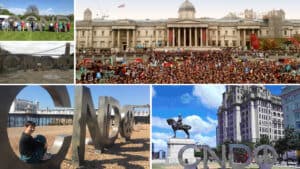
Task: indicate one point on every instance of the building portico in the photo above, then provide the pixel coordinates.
(186, 31)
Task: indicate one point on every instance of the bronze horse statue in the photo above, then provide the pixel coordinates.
(176, 126)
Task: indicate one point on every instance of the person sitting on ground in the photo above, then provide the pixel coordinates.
(33, 150)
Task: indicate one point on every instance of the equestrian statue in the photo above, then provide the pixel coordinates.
(177, 125)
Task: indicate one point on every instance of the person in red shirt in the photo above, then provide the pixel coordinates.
(22, 25)
(68, 26)
(56, 27)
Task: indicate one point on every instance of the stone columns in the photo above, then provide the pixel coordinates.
(201, 37)
(184, 37)
(173, 37)
(133, 38)
(179, 39)
(168, 38)
(196, 37)
(127, 39)
(112, 39)
(119, 38)
(217, 37)
(190, 43)
(244, 40)
(238, 38)
(206, 36)
(87, 39)
(156, 38)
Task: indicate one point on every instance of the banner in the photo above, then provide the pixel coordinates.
(254, 41)
(170, 37)
(203, 36)
(294, 41)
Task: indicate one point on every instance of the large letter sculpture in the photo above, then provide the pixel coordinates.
(231, 156)
(61, 144)
(103, 127)
(127, 122)
(266, 161)
(206, 150)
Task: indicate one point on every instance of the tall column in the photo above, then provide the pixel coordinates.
(133, 38)
(86, 39)
(179, 39)
(244, 40)
(206, 37)
(184, 37)
(156, 38)
(238, 43)
(119, 38)
(168, 38)
(196, 37)
(173, 37)
(190, 43)
(217, 37)
(127, 38)
(201, 37)
(112, 38)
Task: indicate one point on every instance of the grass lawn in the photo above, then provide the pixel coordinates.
(55, 36)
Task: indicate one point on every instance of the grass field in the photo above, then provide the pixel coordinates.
(38, 36)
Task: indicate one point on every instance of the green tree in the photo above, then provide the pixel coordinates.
(264, 140)
(5, 12)
(280, 147)
(291, 141)
(32, 9)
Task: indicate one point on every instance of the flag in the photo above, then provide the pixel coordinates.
(254, 41)
(121, 6)
(294, 41)
(170, 37)
(204, 36)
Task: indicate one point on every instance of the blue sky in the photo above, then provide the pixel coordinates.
(46, 7)
(163, 9)
(125, 94)
(198, 106)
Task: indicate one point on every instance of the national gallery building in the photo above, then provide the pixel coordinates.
(186, 31)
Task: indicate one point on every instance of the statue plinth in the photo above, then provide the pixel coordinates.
(174, 145)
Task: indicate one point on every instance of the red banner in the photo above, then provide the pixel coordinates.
(170, 37)
(294, 41)
(203, 36)
(254, 41)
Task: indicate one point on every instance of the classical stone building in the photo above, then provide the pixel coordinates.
(247, 113)
(290, 96)
(186, 31)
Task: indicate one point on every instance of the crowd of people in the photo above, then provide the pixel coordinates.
(189, 67)
(32, 26)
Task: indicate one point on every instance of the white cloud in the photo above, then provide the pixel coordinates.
(209, 95)
(213, 121)
(207, 140)
(161, 135)
(17, 11)
(199, 125)
(186, 98)
(48, 11)
(153, 92)
(160, 122)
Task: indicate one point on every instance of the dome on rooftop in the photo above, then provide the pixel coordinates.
(187, 6)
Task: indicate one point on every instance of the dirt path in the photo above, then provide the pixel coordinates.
(30, 76)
